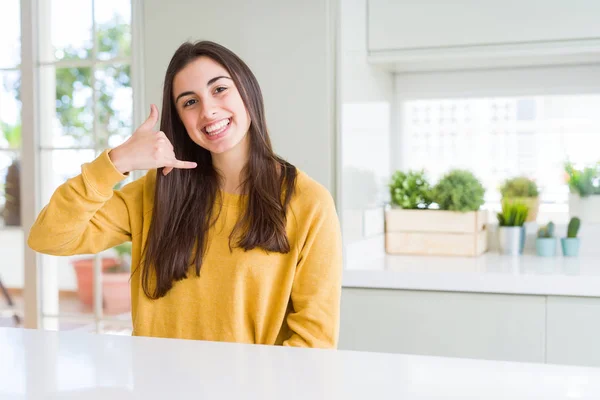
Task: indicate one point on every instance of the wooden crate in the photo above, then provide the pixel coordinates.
(435, 232)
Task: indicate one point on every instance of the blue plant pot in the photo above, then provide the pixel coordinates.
(570, 246)
(545, 247)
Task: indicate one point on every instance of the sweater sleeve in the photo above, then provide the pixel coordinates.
(316, 290)
(85, 215)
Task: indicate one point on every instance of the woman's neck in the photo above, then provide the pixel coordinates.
(230, 165)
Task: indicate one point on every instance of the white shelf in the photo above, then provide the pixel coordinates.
(490, 273)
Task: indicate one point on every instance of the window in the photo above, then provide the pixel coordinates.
(86, 102)
(76, 83)
(502, 137)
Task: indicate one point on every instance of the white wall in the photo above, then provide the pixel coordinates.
(367, 95)
(290, 47)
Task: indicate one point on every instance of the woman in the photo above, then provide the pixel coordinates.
(230, 242)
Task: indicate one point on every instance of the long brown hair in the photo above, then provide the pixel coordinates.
(184, 199)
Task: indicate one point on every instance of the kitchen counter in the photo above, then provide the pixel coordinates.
(489, 273)
(37, 364)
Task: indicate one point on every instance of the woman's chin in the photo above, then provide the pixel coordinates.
(228, 144)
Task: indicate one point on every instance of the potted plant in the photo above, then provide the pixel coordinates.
(511, 232)
(116, 291)
(459, 190)
(545, 244)
(84, 273)
(455, 227)
(410, 190)
(522, 190)
(115, 280)
(570, 244)
(584, 191)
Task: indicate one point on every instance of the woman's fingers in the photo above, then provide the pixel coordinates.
(175, 163)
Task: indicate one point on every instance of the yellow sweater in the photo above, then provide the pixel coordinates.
(249, 297)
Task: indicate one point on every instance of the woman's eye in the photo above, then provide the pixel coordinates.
(220, 89)
(189, 102)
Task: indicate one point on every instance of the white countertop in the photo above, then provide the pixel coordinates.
(489, 273)
(73, 365)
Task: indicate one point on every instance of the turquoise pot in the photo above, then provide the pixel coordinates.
(545, 247)
(570, 246)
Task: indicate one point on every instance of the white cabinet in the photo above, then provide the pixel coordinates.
(573, 331)
(408, 24)
(530, 328)
(422, 34)
(472, 325)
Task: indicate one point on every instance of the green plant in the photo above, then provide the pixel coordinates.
(584, 181)
(75, 116)
(513, 214)
(459, 190)
(520, 186)
(123, 251)
(410, 190)
(573, 227)
(546, 231)
(12, 134)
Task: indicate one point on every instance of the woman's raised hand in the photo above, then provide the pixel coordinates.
(147, 149)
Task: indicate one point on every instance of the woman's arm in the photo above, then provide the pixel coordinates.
(316, 290)
(85, 215)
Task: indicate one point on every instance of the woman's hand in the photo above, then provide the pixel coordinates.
(147, 149)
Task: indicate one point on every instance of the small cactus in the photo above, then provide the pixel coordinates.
(573, 227)
(546, 231)
(550, 228)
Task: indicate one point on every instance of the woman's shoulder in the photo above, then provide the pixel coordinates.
(309, 191)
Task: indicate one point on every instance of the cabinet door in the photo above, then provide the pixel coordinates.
(430, 24)
(573, 330)
(449, 324)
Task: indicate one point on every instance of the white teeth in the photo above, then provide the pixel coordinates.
(217, 126)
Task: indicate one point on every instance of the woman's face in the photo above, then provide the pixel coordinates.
(210, 106)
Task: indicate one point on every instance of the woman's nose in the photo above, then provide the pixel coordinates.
(208, 109)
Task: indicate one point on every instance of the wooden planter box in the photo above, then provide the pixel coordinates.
(435, 232)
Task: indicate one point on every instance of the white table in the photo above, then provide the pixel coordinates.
(72, 365)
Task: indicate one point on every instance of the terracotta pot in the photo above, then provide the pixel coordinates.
(116, 292)
(84, 270)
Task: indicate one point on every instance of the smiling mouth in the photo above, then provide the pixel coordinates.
(217, 127)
